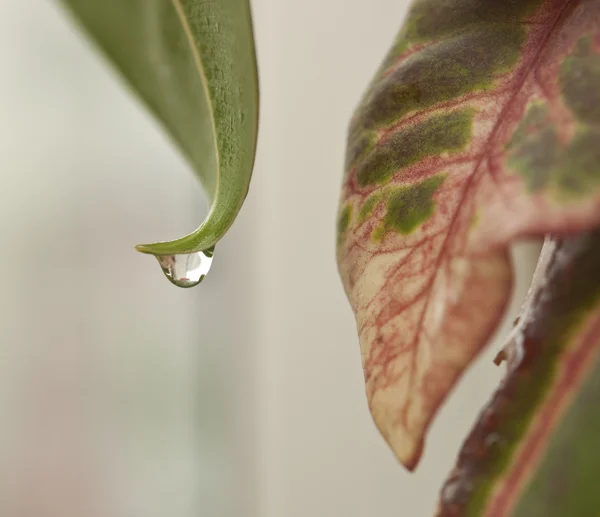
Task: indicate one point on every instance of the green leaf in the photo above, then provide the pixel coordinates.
(535, 451)
(193, 64)
(481, 126)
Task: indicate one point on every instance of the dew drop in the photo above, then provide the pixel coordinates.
(186, 269)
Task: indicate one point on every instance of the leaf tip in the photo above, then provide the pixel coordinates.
(408, 450)
(406, 446)
(144, 248)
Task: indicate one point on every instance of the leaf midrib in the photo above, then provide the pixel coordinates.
(527, 68)
(200, 69)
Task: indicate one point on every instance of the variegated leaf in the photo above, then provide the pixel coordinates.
(482, 126)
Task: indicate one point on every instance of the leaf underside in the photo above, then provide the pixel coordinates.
(193, 64)
(481, 127)
(534, 451)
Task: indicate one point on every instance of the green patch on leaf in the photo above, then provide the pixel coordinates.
(439, 134)
(409, 207)
(579, 80)
(533, 150)
(469, 62)
(362, 147)
(535, 153)
(344, 220)
(432, 20)
(578, 170)
(368, 206)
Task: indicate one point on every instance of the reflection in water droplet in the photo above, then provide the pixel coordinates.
(187, 269)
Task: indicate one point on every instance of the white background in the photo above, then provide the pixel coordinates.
(122, 396)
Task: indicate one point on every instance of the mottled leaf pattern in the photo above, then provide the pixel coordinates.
(482, 125)
(535, 451)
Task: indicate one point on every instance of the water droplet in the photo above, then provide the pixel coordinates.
(186, 269)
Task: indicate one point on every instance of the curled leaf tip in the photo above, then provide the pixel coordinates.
(193, 64)
(144, 248)
(204, 238)
(191, 243)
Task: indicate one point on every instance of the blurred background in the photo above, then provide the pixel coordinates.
(123, 396)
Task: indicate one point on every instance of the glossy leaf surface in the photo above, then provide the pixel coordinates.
(481, 126)
(193, 64)
(536, 448)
